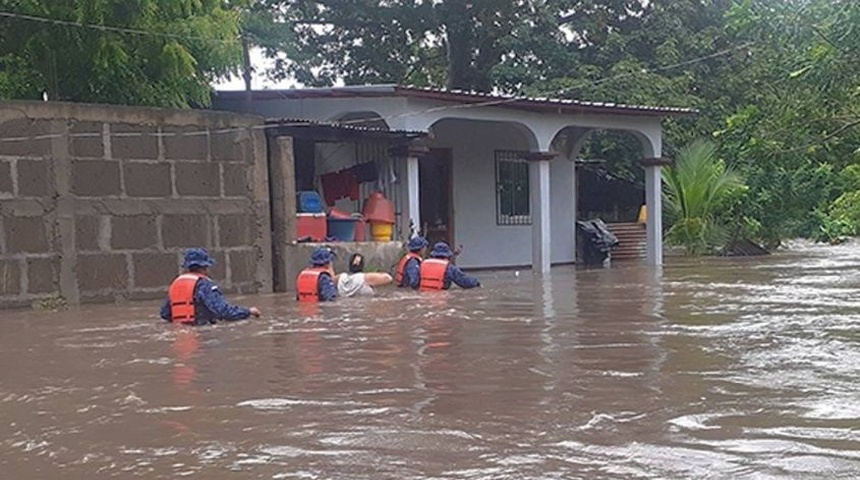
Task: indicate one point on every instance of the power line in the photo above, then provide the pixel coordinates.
(562, 91)
(493, 102)
(106, 28)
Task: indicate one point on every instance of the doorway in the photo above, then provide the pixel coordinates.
(435, 193)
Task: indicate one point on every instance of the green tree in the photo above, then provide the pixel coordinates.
(842, 218)
(794, 126)
(697, 187)
(464, 44)
(134, 52)
(776, 81)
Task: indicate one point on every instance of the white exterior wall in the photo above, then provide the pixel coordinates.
(485, 243)
(561, 214)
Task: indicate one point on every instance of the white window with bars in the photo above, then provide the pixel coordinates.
(512, 188)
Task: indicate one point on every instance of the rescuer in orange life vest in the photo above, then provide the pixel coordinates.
(437, 272)
(316, 283)
(194, 299)
(409, 269)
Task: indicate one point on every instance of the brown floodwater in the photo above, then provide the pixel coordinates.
(712, 368)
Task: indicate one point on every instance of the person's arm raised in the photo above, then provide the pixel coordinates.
(377, 279)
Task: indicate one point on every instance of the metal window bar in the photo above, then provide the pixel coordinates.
(512, 188)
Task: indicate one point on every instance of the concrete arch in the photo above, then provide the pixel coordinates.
(364, 118)
(576, 136)
(527, 134)
(649, 136)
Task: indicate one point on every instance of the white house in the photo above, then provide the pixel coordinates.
(496, 175)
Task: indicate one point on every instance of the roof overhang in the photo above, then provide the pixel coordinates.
(336, 131)
(539, 104)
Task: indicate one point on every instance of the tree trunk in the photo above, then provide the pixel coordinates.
(457, 20)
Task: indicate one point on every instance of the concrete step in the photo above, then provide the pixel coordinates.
(631, 240)
(626, 227)
(631, 249)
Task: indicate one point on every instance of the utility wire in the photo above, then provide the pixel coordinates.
(106, 28)
(494, 101)
(516, 98)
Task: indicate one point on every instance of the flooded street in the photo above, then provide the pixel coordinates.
(712, 368)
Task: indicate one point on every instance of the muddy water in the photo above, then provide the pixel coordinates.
(717, 368)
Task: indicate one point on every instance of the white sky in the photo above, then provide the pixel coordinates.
(258, 81)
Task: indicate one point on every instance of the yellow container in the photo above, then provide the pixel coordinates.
(643, 214)
(381, 232)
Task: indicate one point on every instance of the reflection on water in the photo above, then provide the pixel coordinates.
(714, 368)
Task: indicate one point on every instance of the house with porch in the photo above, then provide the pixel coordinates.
(493, 173)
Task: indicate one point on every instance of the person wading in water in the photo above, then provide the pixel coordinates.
(409, 269)
(358, 283)
(316, 283)
(438, 273)
(195, 300)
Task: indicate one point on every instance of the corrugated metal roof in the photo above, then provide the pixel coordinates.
(544, 104)
(539, 103)
(347, 126)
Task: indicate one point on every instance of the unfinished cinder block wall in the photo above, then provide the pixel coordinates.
(99, 202)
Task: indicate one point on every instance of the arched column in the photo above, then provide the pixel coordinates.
(411, 211)
(540, 210)
(652, 143)
(654, 206)
(574, 139)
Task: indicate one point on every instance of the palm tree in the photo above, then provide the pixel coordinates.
(695, 189)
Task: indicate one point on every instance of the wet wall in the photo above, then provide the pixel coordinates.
(98, 202)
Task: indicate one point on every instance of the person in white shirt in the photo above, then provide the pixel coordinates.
(355, 282)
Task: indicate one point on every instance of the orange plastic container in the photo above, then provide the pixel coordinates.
(377, 208)
(311, 225)
(361, 230)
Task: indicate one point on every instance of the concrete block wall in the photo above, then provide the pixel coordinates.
(378, 257)
(97, 203)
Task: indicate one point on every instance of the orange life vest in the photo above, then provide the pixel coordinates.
(433, 273)
(401, 267)
(307, 284)
(181, 294)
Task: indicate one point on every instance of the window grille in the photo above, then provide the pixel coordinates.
(512, 188)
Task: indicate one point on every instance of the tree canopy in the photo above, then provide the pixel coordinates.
(135, 52)
(777, 82)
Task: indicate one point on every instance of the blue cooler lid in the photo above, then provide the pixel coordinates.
(309, 202)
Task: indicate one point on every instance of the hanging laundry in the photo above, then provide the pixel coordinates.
(337, 185)
(332, 187)
(365, 172)
(392, 177)
(351, 184)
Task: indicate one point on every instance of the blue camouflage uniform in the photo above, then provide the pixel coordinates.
(412, 269)
(412, 274)
(209, 303)
(326, 289)
(453, 274)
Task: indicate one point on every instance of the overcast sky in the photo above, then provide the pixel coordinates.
(259, 80)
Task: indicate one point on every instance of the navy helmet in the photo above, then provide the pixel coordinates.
(322, 256)
(441, 250)
(197, 257)
(416, 243)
